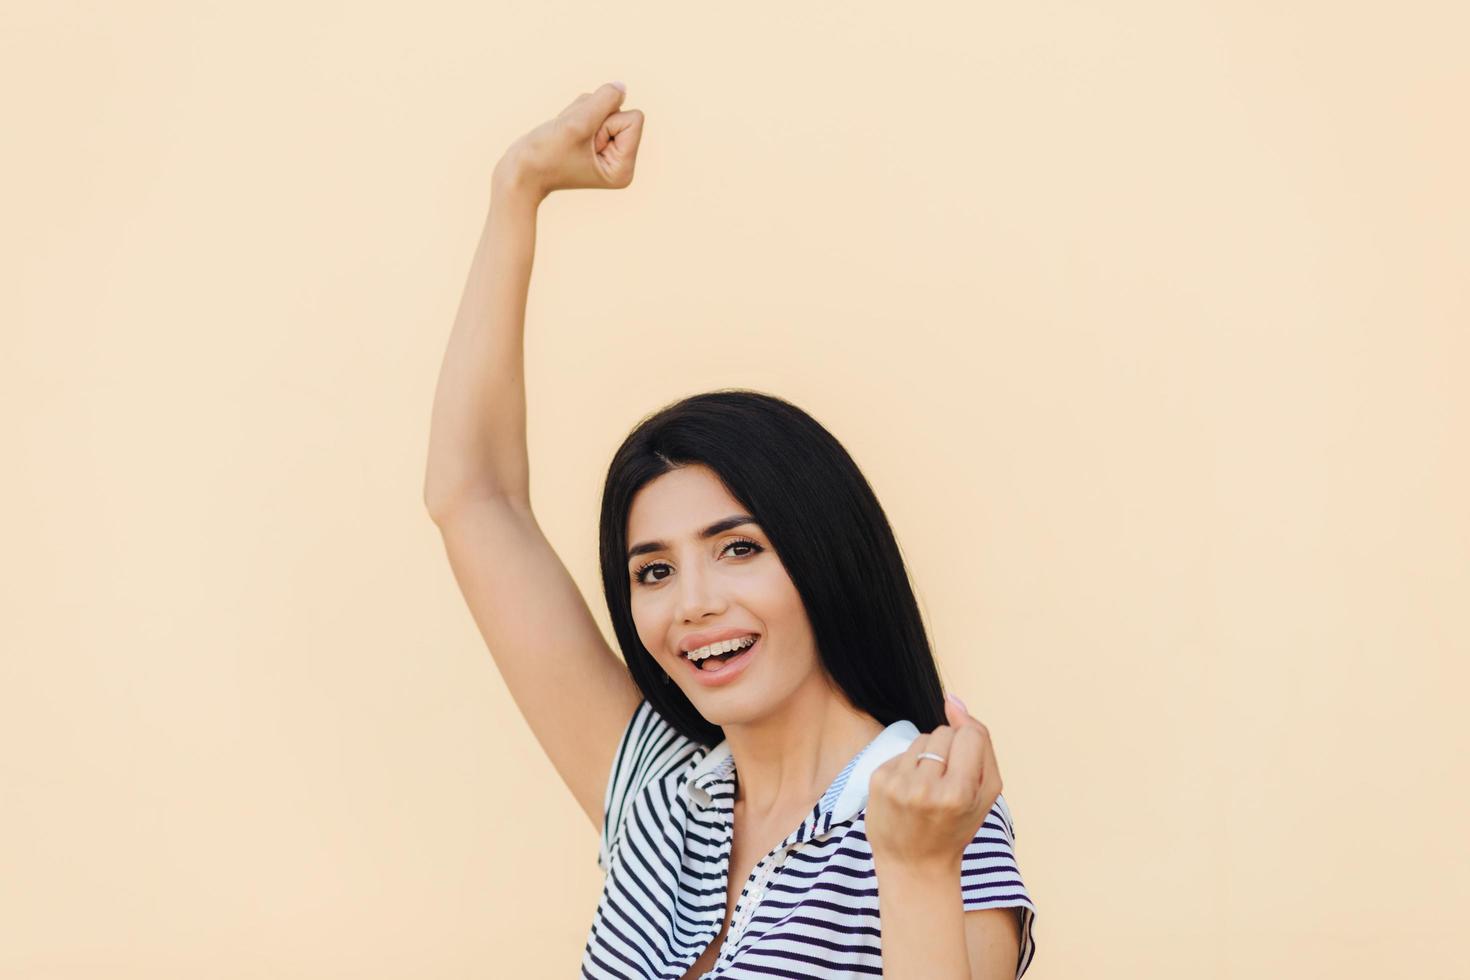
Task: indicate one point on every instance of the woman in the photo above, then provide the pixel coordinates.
(766, 801)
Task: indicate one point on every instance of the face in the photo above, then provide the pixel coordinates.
(686, 584)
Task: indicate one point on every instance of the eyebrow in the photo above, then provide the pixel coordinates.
(720, 526)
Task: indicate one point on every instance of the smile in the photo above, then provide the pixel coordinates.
(713, 672)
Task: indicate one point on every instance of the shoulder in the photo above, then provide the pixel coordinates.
(990, 875)
(650, 750)
(650, 739)
(996, 900)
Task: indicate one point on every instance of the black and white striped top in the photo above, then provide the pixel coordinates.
(809, 909)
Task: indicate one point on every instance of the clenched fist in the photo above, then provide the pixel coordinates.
(588, 144)
(921, 812)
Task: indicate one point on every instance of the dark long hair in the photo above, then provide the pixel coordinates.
(827, 527)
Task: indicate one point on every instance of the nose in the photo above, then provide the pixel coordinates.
(698, 595)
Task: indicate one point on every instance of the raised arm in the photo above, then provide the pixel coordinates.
(571, 688)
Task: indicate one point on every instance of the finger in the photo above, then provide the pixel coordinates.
(957, 713)
(914, 748)
(938, 742)
(622, 129)
(591, 110)
(967, 755)
(907, 761)
(992, 766)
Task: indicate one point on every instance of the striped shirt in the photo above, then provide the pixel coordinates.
(809, 908)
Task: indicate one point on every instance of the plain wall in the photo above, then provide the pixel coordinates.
(1148, 322)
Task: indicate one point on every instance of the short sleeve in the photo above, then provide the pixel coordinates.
(650, 748)
(990, 878)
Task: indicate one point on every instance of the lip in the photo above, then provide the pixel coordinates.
(733, 668)
(696, 640)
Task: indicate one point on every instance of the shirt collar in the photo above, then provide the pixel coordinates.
(844, 798)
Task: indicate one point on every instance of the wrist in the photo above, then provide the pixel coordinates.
(512, 182)
(909, 869)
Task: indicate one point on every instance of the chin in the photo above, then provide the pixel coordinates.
(726, 707)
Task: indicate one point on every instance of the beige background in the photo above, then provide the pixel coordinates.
(1147, 321)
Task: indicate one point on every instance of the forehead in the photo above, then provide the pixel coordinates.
(678, 503)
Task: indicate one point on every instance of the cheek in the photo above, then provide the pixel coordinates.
(649, 622)
(775, 597)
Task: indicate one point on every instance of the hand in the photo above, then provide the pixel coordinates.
(923, 813)
(588, 144)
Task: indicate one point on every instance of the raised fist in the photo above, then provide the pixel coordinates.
(590, 143)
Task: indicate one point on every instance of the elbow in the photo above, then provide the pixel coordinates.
(444, 506)
(439, 503)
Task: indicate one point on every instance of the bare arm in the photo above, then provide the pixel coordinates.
(920, 820)
(575, 694)
(573, 691)
(923, 923)
(927, 933)
(477, 436)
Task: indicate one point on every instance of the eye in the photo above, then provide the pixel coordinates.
(742, 542)
(751, 549)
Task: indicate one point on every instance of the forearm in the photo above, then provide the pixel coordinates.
(477, 437)
(923, 922)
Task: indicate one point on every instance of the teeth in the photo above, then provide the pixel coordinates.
(724, 646)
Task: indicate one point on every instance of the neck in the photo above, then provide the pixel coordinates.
(785, 761)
